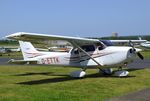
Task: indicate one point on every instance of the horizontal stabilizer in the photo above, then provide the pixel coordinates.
(12, 61)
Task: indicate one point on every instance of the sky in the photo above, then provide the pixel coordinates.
(81, 18)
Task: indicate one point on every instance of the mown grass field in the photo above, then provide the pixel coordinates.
(49, 83)
(146, 54)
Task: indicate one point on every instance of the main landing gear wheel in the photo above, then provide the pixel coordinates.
(78, 74)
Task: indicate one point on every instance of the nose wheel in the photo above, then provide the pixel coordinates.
(119, 73)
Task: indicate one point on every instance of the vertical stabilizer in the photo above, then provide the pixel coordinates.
(28, 50)
(140, 38)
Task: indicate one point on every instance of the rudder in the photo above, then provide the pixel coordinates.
(28, 50)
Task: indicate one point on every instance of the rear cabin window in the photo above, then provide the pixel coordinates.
(88, 48)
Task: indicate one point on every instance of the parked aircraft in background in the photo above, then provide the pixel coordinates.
(85, 53)
(145, 44)
(4, 50)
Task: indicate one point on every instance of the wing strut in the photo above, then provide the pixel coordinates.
(99, 65)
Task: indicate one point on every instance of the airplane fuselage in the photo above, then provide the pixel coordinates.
(110, 56)
(85, 52)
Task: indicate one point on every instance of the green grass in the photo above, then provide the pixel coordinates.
(146, 54)
(49, 83)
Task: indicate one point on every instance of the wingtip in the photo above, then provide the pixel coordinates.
(14, 35)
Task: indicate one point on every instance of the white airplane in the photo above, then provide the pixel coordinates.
(145, 44)
(85, 53)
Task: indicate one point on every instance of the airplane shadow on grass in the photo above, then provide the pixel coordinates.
(61, 79)
(36, 73)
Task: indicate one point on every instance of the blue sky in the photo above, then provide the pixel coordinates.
(83, 18)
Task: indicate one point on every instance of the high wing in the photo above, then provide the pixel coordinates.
(44, 38)
(34, 37)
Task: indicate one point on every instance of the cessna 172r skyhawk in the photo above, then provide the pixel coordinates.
(85, 53)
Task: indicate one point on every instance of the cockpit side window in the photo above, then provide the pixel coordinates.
(107, 42)
(76, 51)
(88, 48)
(100, 46)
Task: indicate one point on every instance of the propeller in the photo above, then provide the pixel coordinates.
(135, 51)
(131, 44)
(140, 55)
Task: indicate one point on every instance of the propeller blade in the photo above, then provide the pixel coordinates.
(140, 55)
(131, 44)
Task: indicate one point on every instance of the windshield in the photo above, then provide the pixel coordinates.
(107, 42)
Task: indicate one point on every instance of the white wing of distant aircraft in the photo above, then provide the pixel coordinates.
(85, 53)
(8, 50)
(145, 44)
